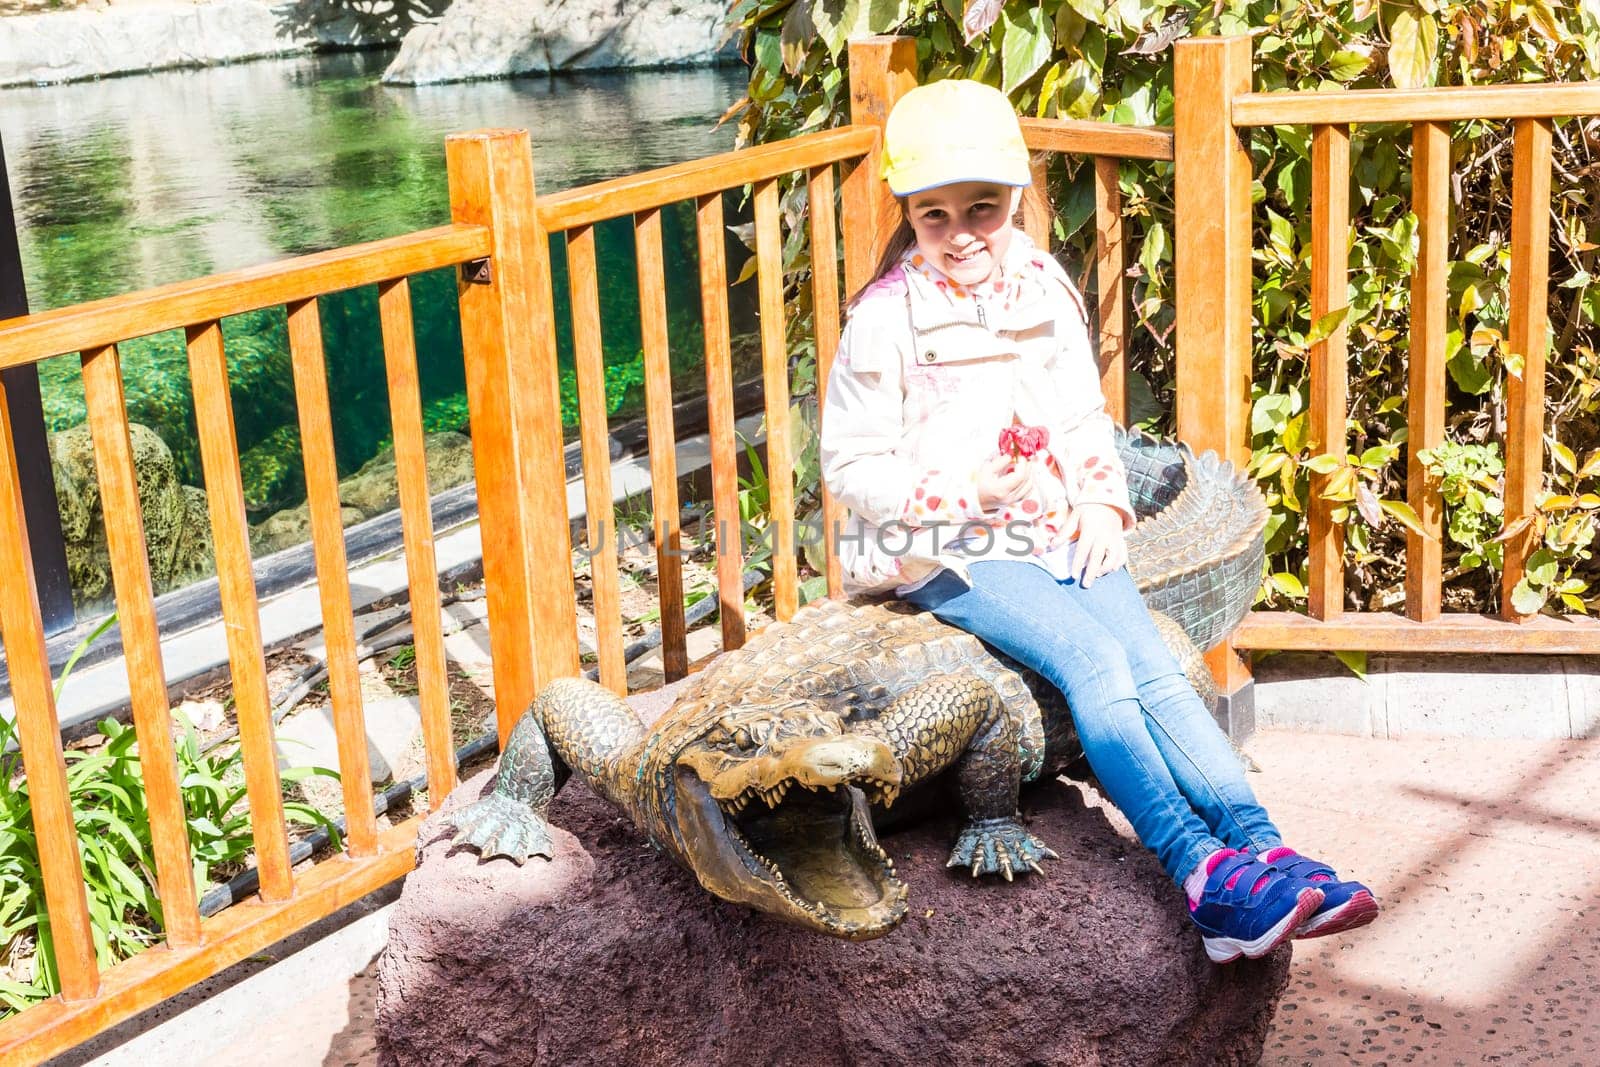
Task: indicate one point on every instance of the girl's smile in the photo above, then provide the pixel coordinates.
(964, 229)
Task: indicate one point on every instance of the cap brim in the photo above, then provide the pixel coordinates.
(918, 178)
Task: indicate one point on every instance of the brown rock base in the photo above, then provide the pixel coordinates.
(612, 954)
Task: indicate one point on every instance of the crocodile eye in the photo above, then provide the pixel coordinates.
(741, 737)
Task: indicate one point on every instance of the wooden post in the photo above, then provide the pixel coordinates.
(39, 736)
(1529, 291)
(508, 339)
(1212, 179)
(882, 70)
(1330, 387)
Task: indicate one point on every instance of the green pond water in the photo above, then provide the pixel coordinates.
(132, 182)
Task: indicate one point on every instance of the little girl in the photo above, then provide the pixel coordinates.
(969, 338)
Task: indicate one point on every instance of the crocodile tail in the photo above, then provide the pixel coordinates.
(1197, 550)
(586, 726)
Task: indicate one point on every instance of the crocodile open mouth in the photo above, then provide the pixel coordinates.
(817, 845)
(804, 853)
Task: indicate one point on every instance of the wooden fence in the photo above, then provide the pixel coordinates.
(1215, 108)
(499, 241)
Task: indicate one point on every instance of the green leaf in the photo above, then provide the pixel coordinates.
(1287, 584)
(1527, 600)
(1563, 455)
(1348, 65)
(1407, 516)
(1324, 464)
(1024, 44)
(1356, 661)
(1471, 374)
(1542, 567)
(1413, 46)
(1325, 326)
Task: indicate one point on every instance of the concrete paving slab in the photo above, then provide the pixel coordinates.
(469, 647)
(308, 738)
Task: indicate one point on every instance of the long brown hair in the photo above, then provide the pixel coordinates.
(901, 238)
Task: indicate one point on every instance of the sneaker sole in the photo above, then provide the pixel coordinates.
(1228, 949)
(1359, 910)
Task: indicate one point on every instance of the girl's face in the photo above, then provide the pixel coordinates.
(964, 229)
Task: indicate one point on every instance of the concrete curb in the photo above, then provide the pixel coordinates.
(1411, 695)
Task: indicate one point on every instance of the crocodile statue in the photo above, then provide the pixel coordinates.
(765, 777)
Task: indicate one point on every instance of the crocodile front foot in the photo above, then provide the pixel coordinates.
(999, 846)
(497, 825)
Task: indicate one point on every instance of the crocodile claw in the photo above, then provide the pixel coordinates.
(999, 846)
(500, 826)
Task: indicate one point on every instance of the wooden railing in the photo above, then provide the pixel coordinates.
(1215, 106)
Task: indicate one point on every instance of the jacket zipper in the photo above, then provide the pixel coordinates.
(982, 320)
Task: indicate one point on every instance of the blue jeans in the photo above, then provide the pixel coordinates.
(1158, 753)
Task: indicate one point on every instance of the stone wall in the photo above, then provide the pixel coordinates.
(500, 38)
(443, 41)
(130, 38)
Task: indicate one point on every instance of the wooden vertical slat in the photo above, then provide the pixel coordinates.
(1036, 202)
(855, 197)
(882, 69)
(1325, 430)
(38, 733)
(1110, 261)
(333, 580)
(775, 389)
(491, 185)
(1425, 391)
(825, 322)
(541, 454)
(659, 433)
(141, 644)
(1530, 268)
(589, 366)
(719, 420)
(1212, 190)
(219, 457)
(416, 522)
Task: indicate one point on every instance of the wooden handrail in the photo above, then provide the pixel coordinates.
(94, 325)
(1387, 631)
(652, 189)
(1097, 138)
(1458, 103)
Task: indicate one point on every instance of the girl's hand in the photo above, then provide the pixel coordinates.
(1101, 546)
(1002, 480)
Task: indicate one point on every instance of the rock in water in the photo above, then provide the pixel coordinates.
(498, 38)
(612, 954)
(177, 527)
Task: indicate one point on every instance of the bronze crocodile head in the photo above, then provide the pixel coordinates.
(772, 811)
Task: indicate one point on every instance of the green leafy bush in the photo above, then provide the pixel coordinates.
(113, 823)
(1111, 60)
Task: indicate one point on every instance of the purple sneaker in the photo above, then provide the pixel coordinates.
(1345, 905)
(1248, 908)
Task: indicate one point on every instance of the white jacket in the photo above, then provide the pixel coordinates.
(927, 375)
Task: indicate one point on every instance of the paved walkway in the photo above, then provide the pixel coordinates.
(1483, 854)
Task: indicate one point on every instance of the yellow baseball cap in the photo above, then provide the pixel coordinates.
(953, 131)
